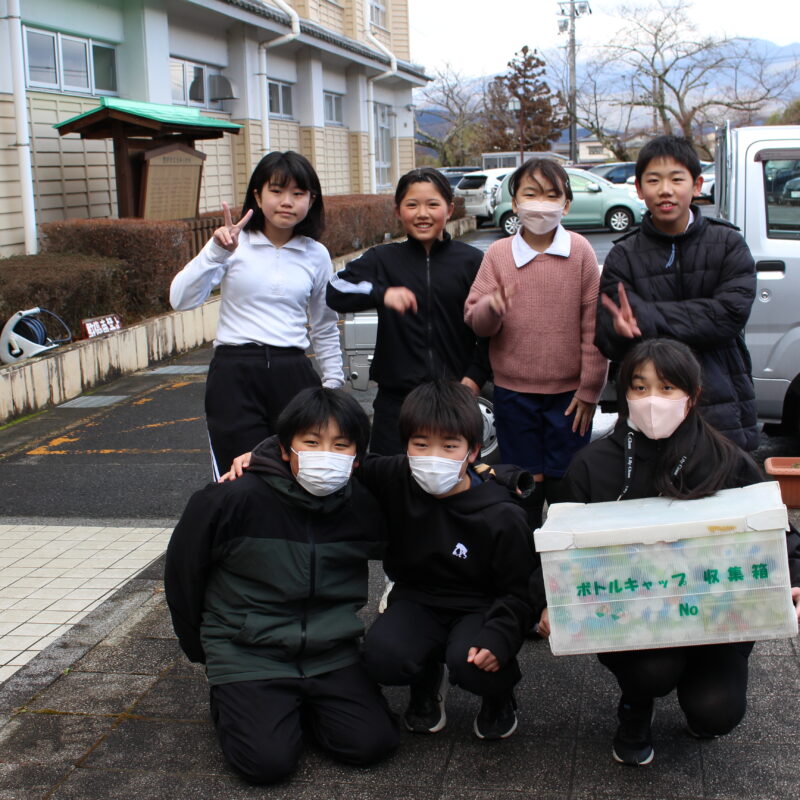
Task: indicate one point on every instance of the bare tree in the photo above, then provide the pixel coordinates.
(689, 82)
(457, 106)
(597, 108)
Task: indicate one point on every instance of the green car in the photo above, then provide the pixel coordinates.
(596, 203)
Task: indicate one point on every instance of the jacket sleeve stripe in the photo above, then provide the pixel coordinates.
(346, 287)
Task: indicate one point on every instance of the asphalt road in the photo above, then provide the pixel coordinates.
(139, 458)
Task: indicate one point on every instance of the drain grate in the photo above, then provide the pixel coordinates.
(94, 401)
(185, 370)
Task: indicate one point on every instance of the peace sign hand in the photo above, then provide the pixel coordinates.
(625, 323)
(227, 236)
(500, 299)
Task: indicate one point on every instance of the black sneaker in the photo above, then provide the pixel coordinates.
(497, 718)
(425, 712)
(633, 743)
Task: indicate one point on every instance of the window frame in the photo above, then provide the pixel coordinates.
(383, 160)
(337, 101)
(284, 90)
(60, 84)
(187, 66)
(378, 13)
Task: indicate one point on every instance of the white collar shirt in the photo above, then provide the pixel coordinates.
(523, 253)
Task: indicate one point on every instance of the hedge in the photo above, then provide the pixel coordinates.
(142, 256)
(73, 286)
(153, 251)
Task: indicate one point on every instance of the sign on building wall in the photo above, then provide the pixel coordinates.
(171, 178)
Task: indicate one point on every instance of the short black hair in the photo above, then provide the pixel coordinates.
(280, 169)
(550, 169)
(441, 407)
(669, 146)
(312, 408)
(424, 175)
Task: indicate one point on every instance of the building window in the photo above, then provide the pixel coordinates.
(280, 99)
(595, 149)
(69, 63)
(189, 83)
(383, 147)
(333, 109)
(377, 13)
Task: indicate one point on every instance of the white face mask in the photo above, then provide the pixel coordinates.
(657, 417)
(321, 472)
(539, 216)
(436, 475)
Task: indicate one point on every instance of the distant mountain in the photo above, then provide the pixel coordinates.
(778, 57)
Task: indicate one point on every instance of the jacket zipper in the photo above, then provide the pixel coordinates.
(311, 587)
(429, 323)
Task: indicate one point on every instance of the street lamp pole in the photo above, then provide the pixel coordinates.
(569, 11)
(573, 124)
(515, 105)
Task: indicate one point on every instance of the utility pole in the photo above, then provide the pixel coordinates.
(569, 11)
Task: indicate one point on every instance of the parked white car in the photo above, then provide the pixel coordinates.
(477, 189)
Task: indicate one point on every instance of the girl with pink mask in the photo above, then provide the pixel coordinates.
(535, 296)
(661, 445)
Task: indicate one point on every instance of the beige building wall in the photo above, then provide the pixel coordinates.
(397, 20)
(12, 235)
(407, 155)
(359, 162)
(73, 177)
(328, 13)
(334, 172)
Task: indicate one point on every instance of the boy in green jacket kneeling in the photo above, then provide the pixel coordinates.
(264, 578)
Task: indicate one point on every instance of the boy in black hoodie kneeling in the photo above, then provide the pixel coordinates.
(461, 556)
(264, 576)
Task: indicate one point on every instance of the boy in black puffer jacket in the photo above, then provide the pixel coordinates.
(264, 578)
(686, 277)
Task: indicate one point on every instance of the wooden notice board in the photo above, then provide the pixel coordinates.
(170, 187)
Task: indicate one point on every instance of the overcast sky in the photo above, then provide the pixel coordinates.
(479, 37)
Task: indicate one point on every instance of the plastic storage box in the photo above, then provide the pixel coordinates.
(660, 573)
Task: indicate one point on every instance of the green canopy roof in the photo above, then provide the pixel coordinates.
(152, 118)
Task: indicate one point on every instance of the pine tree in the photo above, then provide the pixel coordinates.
(541, 116)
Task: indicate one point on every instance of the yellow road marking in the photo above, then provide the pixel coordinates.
(160, 424)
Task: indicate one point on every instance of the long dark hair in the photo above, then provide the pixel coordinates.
(710, 456)
(280, 169)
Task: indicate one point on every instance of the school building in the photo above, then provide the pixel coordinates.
(329, 78)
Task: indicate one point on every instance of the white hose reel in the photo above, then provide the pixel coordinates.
(25, 335)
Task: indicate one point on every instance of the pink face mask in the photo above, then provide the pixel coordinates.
(657, 417)
(539, 216)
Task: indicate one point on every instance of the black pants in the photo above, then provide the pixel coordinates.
(259, 722)
(711, 681)
(385, 439)
(408, 636)
(247, 388)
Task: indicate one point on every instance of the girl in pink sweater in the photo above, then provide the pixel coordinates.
(535, 295)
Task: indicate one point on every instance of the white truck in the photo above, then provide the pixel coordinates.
(758, 190)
